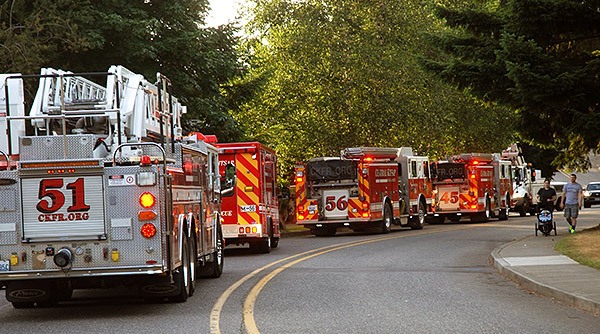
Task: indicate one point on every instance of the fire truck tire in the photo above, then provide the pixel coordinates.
(484, 216)
(263, 246)
(181, 275)
(386, 223)
(214, 269)
(419, 221)
(503, 215)
(274, 242)
(487, 214)
(193, 263)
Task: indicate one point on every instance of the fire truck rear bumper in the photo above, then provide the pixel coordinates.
(338, 223)
(77, 273)
(242, 231)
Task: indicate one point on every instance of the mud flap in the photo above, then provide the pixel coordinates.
(29, 291)
(162, 287)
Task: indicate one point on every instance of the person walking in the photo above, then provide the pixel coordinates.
(546, 197)
(572, 199)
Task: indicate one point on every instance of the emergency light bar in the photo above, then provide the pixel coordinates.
(45, 164)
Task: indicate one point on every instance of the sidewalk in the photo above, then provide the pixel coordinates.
(533, 263)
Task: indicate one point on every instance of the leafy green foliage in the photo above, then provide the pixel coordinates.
(146, 36)
(539, 57)
(326, 75)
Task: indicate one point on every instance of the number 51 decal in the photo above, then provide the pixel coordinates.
(52, 198)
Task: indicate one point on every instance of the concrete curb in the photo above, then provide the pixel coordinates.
(530, 283)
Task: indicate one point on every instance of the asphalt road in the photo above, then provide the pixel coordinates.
(436, 280)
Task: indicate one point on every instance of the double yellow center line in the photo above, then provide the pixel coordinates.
(248, 308)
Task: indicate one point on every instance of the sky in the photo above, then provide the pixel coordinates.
(222, 11)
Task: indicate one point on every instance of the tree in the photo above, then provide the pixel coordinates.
(539, 57)
(326, 75)
(146, 36)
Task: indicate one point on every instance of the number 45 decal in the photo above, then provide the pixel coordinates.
(451, 197)
(52, 198)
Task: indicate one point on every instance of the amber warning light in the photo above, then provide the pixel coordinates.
(147, 200)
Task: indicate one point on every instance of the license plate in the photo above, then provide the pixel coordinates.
(248, 208)
(4, 265)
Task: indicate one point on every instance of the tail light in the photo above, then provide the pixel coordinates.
(147, 200)
(146, 215)
(148, 230)
(299, 177)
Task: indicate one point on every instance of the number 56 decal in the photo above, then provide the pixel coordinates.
(52, 198)
(331, 203)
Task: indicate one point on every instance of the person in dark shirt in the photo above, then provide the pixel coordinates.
(546, 197)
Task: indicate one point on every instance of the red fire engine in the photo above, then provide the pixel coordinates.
(476, 185)
(364, 188)
(103, 190)
(249, 195)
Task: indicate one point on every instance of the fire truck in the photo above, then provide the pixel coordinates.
(249, 207)
(473, 185)
(525, 184)
(366, 188)
(103, 190)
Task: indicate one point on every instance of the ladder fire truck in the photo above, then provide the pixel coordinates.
(249, 207)
(525, 184)
(473, 185)
(364, 188)
(103, 190)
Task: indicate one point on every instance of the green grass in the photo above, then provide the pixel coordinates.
(583, 247)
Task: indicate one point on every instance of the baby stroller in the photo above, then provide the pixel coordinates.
(545, 223)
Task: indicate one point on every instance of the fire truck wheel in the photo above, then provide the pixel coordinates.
(264, 246)
(193, 263)
(274, 242)
(181, 276)
(502, 215)
(419, 221)
(386, 223)
(214, 269)
(484, 216)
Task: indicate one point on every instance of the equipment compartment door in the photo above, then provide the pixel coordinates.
(336, 203)
(63, 208)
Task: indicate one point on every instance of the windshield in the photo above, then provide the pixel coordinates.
(593, 186)
(331, 170)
